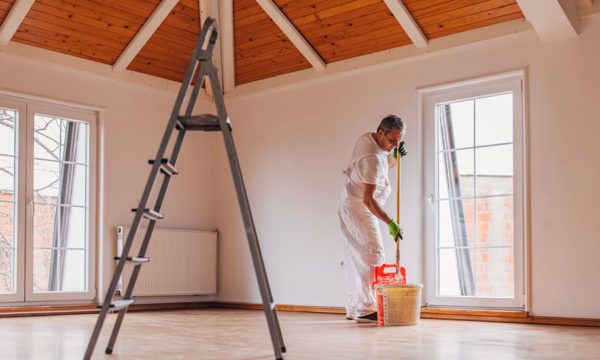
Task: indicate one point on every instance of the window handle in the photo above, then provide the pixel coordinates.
(30, 207)
(430, 201)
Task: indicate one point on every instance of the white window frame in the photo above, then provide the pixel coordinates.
(429, 98)
(27, 110)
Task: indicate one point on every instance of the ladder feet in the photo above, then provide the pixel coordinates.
(283, 349)
(108, 351)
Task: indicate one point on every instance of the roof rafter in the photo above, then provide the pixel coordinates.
(407, 22)
(141, 38)
(227, 52)
(292, 33)
(551, 19)
(14, 19)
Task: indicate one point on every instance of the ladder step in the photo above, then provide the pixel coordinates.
(166, 167)
(151, 214)
(134, 259)
(121, 304)
(205, 122)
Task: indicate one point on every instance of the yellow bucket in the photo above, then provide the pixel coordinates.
(398, 304)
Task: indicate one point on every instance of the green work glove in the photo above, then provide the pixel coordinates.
(402, 149)
(395, 230)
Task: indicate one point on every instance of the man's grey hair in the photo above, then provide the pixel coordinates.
(392, 122)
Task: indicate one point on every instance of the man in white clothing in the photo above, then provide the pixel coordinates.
(366, 188)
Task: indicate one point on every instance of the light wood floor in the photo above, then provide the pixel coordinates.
(243, 334)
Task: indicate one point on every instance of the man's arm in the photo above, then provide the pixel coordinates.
(391, 161)
(372, 205)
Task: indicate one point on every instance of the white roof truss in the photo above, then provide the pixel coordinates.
(292, 33)
(551, 19)
(407, 22)
(141, 38)
(14, 19)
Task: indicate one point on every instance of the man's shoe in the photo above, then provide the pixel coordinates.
(367, 318)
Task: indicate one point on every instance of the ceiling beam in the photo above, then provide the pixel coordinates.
(143, 35)
(14, 18)
(227, 52)
(292, 33)
(210, 8)
(408, 23)
(551, 19)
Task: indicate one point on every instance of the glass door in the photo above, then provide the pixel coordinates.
(47, 199)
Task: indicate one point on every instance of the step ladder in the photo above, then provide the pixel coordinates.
(180, 124)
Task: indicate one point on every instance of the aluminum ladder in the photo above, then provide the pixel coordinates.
(166, 165)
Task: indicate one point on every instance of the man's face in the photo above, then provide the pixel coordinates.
(391, 140)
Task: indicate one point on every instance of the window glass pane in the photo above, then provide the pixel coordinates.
(494, 170)
(59, 270)
(46, 144)
(494, 119)
(44, 217)
(74, 226)
(495, 221)
(461, 225)
(7, 131)
(495, 272)
(7, 224)
(7, 178)
(6, 270)
(456, 272)
(73, 184)
(448, 273)
(459, 173)
(458, 132)
(46, 181)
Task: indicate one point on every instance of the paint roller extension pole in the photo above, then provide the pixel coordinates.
(398, 209)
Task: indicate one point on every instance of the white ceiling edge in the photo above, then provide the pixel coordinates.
(72, 64)
(404, 54)
(476, 37)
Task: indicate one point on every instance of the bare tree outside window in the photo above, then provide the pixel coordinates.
(7, 200)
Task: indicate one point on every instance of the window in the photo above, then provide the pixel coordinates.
(474, 171)
(47, 193)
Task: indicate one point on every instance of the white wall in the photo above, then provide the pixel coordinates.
(294, 142)
(134, 119)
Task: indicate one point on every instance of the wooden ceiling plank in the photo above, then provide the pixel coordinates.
(274, 38)
(467, 22)
(364, 50)
(144, 34)
(102, 52)
(271, 71)
(481, 7)
(267, 64)
(361, 30)
(265, 54)
(293, 34)
(407, 22)
(14, 18)
(442, 8)
(307, 25)
(476, 25)
(82, 51)
(106, 41)
(368, 18)
(551, 19)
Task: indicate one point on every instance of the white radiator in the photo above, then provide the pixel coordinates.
(182, 262)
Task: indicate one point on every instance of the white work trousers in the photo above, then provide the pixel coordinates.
(364, 251)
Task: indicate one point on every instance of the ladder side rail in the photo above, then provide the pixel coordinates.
(144, 245)
(201, 74)
(261, 275)
(149, 184)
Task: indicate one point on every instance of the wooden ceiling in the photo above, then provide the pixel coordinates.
(100, 30)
